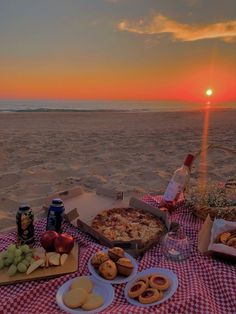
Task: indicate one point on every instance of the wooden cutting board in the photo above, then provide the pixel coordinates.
(70, 266)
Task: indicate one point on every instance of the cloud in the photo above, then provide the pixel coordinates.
(161, 24)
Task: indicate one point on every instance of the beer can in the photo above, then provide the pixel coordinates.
(55, 216)
(25, 225)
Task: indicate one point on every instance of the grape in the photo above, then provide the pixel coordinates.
(21, 267)
(25, 262)
(25, 248)
(11, 248)
(10, 255)
(17, 259)
(18, 252)
(8, 261)
(28, 257)
(12, 270)
(1, 263)
(4, 254)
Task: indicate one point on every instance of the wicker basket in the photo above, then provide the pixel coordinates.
(217, 199)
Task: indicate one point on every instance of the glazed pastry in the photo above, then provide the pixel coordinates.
(159, 282)
(108, 270)
(150, 295)
(137, 289)
(124, 266)
(145, 279)
(99, 258)
(115, 253)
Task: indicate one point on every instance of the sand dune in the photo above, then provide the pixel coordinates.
(42, 153)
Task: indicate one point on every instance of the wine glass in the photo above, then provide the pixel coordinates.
(176, 245)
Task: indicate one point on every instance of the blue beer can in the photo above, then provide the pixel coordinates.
(55, 216)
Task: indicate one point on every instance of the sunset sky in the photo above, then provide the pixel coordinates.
(118, 49)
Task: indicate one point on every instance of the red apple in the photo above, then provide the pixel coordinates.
(64, 243)
(47, 240)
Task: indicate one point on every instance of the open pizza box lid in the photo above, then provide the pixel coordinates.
(206, 236)
(82, 207)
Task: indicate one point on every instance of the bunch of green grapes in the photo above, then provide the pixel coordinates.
(17, 259)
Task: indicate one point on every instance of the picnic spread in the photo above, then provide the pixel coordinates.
(112, 278)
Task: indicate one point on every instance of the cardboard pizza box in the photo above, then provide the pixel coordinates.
(204, 241)
(82, 207)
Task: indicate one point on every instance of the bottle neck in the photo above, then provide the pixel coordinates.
(189, 160)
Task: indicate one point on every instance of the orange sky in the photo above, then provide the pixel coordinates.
(110, 54)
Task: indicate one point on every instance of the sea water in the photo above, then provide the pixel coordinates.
(108, 105)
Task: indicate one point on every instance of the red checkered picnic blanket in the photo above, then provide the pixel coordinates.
(206, 285)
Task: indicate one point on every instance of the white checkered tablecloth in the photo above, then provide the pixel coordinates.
(206, 285)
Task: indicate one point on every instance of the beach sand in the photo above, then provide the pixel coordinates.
(42, 153)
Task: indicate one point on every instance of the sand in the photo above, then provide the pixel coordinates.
(42, 153)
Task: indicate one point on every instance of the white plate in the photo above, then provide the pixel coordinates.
(100, 288)
(167, 294)
(119, 279)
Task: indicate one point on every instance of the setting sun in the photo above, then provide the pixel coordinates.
(209, 92)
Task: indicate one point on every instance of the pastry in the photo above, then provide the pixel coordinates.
(150, 295)
(108, 270)
(137, 289)
(75, 298)
(83, 283)
(232, 242)
(145, 279)
(99, 258)
(126, 224)
(224, 237)
(124, 266)
(159, 282)
(227, 238)
(115, 253)
(93, 301)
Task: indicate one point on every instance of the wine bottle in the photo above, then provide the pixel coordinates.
(179, 181)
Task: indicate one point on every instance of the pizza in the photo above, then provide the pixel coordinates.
(125, 224)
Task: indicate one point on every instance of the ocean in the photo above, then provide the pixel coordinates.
(109, 105)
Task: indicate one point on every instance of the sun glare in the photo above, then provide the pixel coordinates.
(209, 92)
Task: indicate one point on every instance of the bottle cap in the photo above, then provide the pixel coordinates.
(57, 202)
(24, 207)
(188, 161)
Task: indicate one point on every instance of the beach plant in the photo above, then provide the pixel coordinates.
(211, 195)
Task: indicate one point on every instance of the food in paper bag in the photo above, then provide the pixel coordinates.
(126, 224)
(223, 237)
(227, 238)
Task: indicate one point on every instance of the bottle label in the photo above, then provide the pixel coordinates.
(51, 223)
(172, 190)
(25, 227)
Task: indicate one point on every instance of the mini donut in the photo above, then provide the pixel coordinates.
(150, 295)
(136, 289)
(159, 282)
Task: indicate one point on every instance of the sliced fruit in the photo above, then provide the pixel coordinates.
(54, 259)
(34, 266)
(63, 259)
